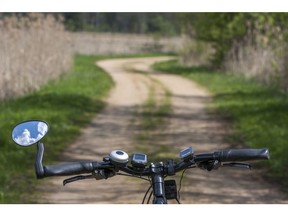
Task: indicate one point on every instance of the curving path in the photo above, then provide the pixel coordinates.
(189, 125)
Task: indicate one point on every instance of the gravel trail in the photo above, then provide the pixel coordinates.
(188, 125)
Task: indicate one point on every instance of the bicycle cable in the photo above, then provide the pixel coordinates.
(149, 197)
(146, 194)
(140, 177)
(180, 184)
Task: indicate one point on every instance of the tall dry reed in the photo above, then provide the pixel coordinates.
(195, 52)
(33, 50)
(261, 56)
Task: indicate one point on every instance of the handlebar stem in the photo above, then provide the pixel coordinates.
(157, 177)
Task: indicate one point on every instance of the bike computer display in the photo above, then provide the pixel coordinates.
(186, 153)
(139, 160)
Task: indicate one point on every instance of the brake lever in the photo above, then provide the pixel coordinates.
(76, 178)
(238, 165)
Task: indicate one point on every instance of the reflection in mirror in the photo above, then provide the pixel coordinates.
(29, 132)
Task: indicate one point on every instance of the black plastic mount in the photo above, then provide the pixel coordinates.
(38, 162)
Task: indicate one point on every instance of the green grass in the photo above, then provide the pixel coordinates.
(258, 114)
(67, 105)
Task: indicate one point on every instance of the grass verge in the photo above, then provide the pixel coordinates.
(259, 114)
(67, 105)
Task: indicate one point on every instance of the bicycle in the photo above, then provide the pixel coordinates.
(118, 162)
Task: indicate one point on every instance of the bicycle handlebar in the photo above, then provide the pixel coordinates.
(244, 155)
(234, 155)
(118, 163)
(74, 168)
(81, 167)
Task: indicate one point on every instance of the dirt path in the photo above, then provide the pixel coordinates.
(189, 125)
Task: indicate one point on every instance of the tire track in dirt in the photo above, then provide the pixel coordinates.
(189, 125)
(112, 129)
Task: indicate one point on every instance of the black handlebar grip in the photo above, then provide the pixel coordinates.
(74, 168)
(242, 154)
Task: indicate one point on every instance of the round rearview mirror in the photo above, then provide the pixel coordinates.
(29, 132)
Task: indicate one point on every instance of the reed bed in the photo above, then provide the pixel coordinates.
(262, 57)
(34, 49)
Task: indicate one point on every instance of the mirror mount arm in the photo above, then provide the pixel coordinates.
(38, 162)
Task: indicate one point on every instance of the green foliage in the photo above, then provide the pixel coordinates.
(259, 114)
(165, 24)
(217, 28)
(224, 29)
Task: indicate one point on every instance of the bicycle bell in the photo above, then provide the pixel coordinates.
(119, 157)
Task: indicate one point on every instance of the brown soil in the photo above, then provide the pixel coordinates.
(189, 125)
